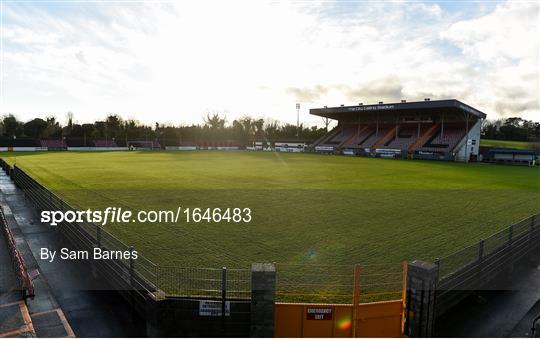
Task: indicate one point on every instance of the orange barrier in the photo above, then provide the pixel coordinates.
(380, 319)
(377, 319)
(374, 319)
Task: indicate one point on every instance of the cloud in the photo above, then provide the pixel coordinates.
(503, 46)
(388, 89)
(308, 94)
(172, 62)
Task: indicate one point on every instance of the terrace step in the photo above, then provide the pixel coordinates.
(385, 138)
(424, 137)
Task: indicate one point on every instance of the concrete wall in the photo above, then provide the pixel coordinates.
(97, 148)
(470, 145)
(182, 317)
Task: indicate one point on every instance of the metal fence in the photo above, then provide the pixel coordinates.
(25, 284)
(382, 282)
(339, 284)
(205, 282)
(295, 283)
(142, 274)
(474, 267)
(133, 278)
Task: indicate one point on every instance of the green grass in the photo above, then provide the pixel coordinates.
(308, 210)
(509, 144)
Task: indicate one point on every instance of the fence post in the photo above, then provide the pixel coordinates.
(422, 279)
(98, 236)
(131, 266)
(531, 230)
(223, 298)
(404, 297)
(131, 281)
(481, 250)
(356, 297)
(263, 296)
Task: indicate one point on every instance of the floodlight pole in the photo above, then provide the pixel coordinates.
(297, 121)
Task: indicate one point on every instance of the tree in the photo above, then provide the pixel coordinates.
(113, 125)
(11, 126)
(53, 129)
(69, 126)
(35, 128)
(214, 122)
(271, 129)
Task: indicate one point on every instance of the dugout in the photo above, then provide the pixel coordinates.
(511, 156)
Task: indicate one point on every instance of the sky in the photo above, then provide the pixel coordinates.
(174, 62)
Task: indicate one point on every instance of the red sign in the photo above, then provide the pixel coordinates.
(319, 313)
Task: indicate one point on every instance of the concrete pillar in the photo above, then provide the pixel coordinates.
(152, 319)
(263, 297)
(422, 278)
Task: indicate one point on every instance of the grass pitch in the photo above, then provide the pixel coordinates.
(308, 210)
(509, 144)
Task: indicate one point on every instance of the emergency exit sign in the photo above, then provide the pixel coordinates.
(319, 313)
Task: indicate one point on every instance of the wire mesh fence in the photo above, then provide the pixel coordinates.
(314, 283)
(503, 240)
(295, 282)
(199, 282)
(338, 284)
(136, 274)
(381, 282)
(457, 260)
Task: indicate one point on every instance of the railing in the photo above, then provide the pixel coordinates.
(215, 283)
(295, 283)
(476, 266)
(140, 275)
(25, 282)
(339, 284)
(133, 278)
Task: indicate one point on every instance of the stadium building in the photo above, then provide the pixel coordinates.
(438, 129)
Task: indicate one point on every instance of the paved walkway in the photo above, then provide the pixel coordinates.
(69, 299)
(506, 312)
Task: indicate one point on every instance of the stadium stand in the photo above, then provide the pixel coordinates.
(438, 129)
(377, 134)
(343, 134)
(362, 135)
(323, 143)
(445, 140)
(346, 132)
(406, 136)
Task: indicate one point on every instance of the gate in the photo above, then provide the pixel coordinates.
(376, 319)
(364, 317)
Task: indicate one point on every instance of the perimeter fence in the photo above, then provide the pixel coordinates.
(338, 284)
(474, 267)
(18, 265)
(217, 283)
(133, 278)
(295, 282)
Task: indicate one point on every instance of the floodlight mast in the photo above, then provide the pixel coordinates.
(297, 121)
